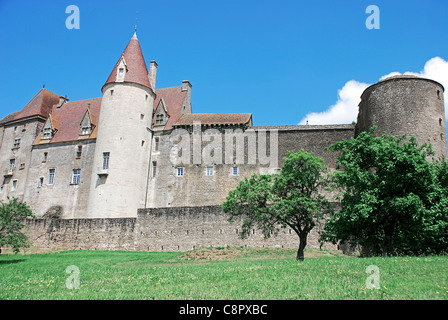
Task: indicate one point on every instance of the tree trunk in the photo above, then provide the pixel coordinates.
(388, 235)
(302, 245)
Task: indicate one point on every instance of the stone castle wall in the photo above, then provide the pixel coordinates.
(195, 187)
(158, 229)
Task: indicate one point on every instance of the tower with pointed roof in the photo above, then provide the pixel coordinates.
(121, 159)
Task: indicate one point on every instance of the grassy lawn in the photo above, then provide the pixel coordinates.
(226, 273)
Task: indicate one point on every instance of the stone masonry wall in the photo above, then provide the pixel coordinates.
(158, 229)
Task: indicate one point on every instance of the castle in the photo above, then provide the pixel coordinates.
(137, 147)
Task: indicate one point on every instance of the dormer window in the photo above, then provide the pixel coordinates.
(85, 131)
(121, 71)
(47, 133)
(159, 119)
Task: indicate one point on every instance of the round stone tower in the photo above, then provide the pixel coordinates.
(405, 105)
(122, 149)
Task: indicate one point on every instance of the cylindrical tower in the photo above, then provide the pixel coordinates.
(120, 164)
(405, 105)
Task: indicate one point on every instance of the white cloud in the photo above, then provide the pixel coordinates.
(346, 108)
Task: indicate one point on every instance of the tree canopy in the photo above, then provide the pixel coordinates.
(393, 199)
(288, 199)
(11, 214)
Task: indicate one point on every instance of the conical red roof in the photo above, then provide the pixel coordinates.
(136, 70)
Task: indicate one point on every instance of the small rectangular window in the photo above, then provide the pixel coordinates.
(209, 171)
(76, 176)
(14, 185)
(41, 182)
(11, 165)
(51, 176)
(45, 157)
(235, 171)
(22, 166)
(78, 152)
(17, 143)
(179, 172)
(156, 144)
(106, 156)
(154, 168)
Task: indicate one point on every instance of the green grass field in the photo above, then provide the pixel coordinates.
(225, 273)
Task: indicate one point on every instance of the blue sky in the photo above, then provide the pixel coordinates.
(279, 60)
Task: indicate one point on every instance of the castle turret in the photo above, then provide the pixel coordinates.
(405, 105)
(121, 160)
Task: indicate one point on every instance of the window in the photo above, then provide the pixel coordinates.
(106, 156)
(156, 144)
(438, 94)
(47, 133)
(209, 171)
(51, 176)
(85, 131)
(11, 165)
(111, 92)
(17, 143)
(179, 172)
(78, 152)
(22, 166)
(15, 129)
(41, 182)
(121, 71)
(159, 119)
(14, 185)
(235, 171)
(440, 121)
(45, 157)
(154, 168)
(76, 177)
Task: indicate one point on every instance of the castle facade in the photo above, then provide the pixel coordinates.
(138, 147)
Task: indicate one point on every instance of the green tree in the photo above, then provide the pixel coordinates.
(288, 199)
(392, 196)
(11, 214)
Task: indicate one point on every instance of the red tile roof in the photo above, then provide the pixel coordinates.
(40, 105)
(69, 118)
(135, 64)
(214, 119)
(174, 98)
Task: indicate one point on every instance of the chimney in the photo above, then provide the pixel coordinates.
(62, 100)
(186, 85)
(152, 74)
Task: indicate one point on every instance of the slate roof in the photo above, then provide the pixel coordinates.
(214, 119)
